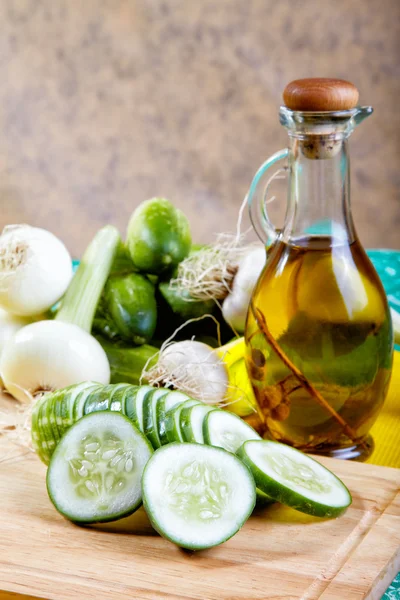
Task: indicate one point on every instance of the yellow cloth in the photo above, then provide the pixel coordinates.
(386, 430)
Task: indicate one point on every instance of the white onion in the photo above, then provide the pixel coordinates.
(50, 355)
(9, 325)
(191, 367)
(235, 305)
(35, 270)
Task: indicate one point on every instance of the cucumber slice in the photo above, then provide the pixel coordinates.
(191, 497)
(62, 407)
(47, 445)
(95, 472)
(47, 435)
(295, 479)
(134, 410)
(166, 403)
(150, 426)
(227, 430)
(100, 401)
(37, 433)
(47, 413)
(129, 401)
(52, 401)
(172, 421)
(191, 422)
(92, 391)
(70, 399)
(118, 397)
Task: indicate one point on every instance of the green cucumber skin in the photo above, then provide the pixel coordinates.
(118, 398)
(164, 534)
(98, 402)
(172, 429)
(143, 399)
(114, 516)
(129, 302)
(127, 362)
(44, 422)
(57, 433)
(288, 497)
(158, 236)
(79, 400)
(37, 429)
(183, 305)
(150, 428)
(130, 406)
(161, 418)
(186, 427)
(262, 499)
(43, 435)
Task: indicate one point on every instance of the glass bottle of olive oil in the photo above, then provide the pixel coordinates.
(318, 336)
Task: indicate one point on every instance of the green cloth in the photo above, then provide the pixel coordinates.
(387, 263)
(393, 591)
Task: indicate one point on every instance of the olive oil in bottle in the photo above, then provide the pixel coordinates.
(319, 310)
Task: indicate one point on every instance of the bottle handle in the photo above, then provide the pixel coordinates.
(257, 199)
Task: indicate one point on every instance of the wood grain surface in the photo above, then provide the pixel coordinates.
(279, 554)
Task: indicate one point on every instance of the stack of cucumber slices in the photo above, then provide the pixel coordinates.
(198, 470)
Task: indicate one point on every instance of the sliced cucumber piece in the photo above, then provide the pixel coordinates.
(46, 443)
(51, 416)
(47, 434)
(96, 470)
(70, 399)
(36, 431)
(92, 391)
(172, 421)
(191, 422)
(118, 397)
(134, 407)
(191, 496)
(150, 426)
(295, 479)
(227, 430)
(167, 402)
(99, 401)
(129, 401)
(63, 408)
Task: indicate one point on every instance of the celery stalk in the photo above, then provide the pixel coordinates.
(83, 294)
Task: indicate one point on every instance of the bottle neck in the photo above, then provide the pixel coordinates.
(319, 195)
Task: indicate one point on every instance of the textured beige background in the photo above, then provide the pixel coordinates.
(104, 103)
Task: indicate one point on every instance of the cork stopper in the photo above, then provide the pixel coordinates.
(320, 94)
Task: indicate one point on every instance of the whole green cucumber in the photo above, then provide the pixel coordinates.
(158, 236)
(128, 305)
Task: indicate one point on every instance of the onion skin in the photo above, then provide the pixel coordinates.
(235, 305)
(9, 325)
(194, 368)
(50, 355)
(35, 270)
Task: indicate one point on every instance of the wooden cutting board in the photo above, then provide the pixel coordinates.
(279, 554)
